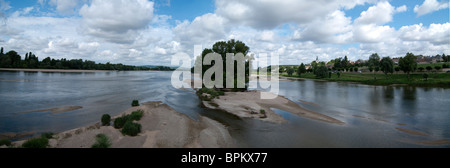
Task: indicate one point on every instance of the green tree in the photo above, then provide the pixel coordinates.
(429, 68)
(397, 69)
(321, 71)
(374, 61)
(290, 71)
(421, 69)
(222, 48)
(387, 65)
(437, 68)
(301, 69)
(408, 63)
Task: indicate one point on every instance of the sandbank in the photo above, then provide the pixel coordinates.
(52, 70)
(248, 105)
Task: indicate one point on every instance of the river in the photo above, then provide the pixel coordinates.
(372, 113)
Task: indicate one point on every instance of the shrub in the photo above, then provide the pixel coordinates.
(36, 143)
(425, 76)
(429, 68)
(445, 66)
(119, 122)
(135, 103)
(106, 119)
(421, 69)
(48, 135)
(339, 74)
(102, 141)
(263, 112)
(131, 128)
(136, 115)
(6, 142)
(437, 67)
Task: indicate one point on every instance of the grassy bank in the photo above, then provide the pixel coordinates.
(434, 79)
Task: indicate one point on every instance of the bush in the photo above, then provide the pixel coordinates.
(131, 128)
(135, 103)
(119, 122)
(6, 142)
(445, 66)
(48, 135)
(263, 112)
(36, 143)
(106, 119)
(425, 76)
(102, 141)
(136, 115)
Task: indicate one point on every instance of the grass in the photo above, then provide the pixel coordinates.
(416, 78)
(102, 141)
(6, 142)
(48, 135)
(41, 142)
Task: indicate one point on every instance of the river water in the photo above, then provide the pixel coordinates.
(372, 113)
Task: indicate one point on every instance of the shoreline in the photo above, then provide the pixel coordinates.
(53, 70)
(162, 127)
(378, 82)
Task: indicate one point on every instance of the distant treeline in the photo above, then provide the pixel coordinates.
(12, 59)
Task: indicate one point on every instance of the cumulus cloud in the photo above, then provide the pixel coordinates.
(65, 7)
(202, 29)
(334, 28)
(116, 21)
(268, 14)
(430, 6)
(437, 34)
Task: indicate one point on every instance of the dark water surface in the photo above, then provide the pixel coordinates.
(371, 113)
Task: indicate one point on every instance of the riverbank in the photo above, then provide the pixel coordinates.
(53, 70)
(162, 127)
(250, 105)
(416, 79)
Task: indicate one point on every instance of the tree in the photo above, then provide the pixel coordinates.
(290, 71)
(301, 69)
(321, 71)
(425, 75)
(429, 68)
(345, 63)
(230, 46)
(387, 65)
(421, 69)
(408, 63)
(437, 68)
(397, 69)
(374, 61)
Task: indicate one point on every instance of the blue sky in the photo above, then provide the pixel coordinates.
(143, 31)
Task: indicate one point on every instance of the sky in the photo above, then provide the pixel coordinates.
(143, 32)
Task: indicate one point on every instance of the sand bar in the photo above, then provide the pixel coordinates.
(162, 127)
(413, 132)
(55, 110)
(248, 104)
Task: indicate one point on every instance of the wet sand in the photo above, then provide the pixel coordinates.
(248, 105)
(55, 110)
(53, 70)
(162, 127)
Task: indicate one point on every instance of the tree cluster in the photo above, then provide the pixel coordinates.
(12, 59)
